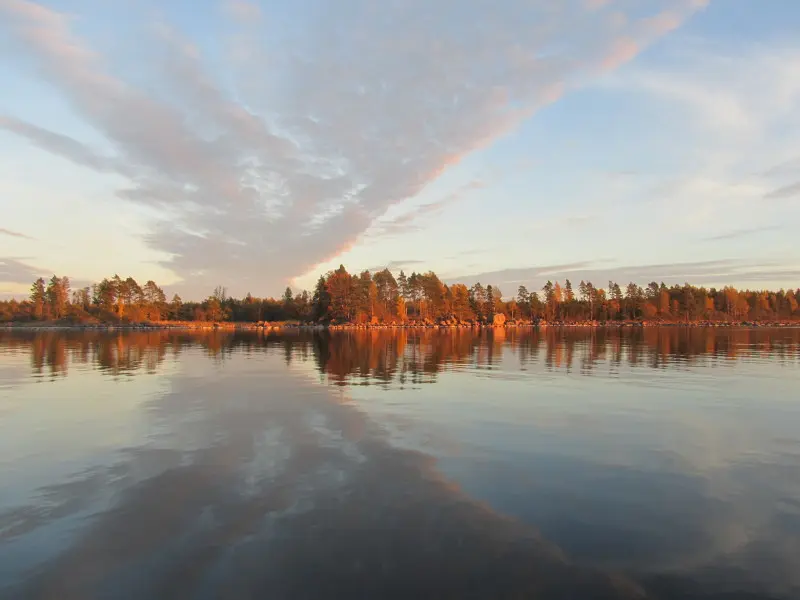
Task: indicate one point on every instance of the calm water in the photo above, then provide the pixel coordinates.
(555, 464)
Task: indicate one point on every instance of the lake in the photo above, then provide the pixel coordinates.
(561, 463)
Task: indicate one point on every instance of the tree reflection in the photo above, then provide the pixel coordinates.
(408, 357)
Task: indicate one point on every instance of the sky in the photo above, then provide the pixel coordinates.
(256, 145)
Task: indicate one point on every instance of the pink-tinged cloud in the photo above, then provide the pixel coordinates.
(362, 109)
(661, 23)
(621, 51)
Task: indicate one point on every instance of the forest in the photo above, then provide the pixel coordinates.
(381, 298)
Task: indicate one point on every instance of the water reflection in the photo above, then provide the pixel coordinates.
(410, 356)
(239, 476)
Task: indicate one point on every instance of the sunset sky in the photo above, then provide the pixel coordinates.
(255, 144)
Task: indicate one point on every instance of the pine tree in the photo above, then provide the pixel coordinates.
(402, 285)
(342, 294)
(38, 298)
(524, 299)
(477, 298)
(569, 295)
(321, 300)
(56, 297)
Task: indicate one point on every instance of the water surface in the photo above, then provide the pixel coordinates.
(658, 463)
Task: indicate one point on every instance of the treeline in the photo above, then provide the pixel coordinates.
(342, 297)
(126, 301)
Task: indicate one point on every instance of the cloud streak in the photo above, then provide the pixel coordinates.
(708, 272)
(14, 234)
(740, 233)
(13, 270)
(787, 191)
(360, 111)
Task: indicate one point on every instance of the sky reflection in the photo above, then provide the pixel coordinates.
(176, 465)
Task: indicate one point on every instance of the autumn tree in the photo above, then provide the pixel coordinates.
(477, 296)
(38, 298)
(82, 298)
(415, 292)
(460, 302)
(342, 294)
(549, 291)
(57, 296)
(400, 308)
(537, 306)
(214, 309)
(120, 293)
(387, 289)
(175, 306)
(663, 303)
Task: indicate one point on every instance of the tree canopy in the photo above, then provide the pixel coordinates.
(380, 297)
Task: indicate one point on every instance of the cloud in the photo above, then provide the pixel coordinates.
(739, 233)
(16, 234)
(623, 50)
(282, 165)
(409, 220)
(728, 123)
(787, 191)
(520, 275)
(62, 145)
(721, 87)
(708, 272)
(790, 166)
(13, 270)
(397, 265)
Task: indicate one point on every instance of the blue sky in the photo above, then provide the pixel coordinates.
(255, 144)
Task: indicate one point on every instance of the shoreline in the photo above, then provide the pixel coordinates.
(281, 326)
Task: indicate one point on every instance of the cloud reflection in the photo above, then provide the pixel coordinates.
(252, 480)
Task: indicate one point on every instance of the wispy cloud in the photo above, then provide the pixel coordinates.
(708, 272)
(521, 275)
(15, 234)
(410, 220)
(360, 111)
(14, 270)
(740, 233)
(731, 112)
(63, 146)
(786, 191)
(722, 88)
(397, 265)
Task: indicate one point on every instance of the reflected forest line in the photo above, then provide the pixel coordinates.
(406, 356)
